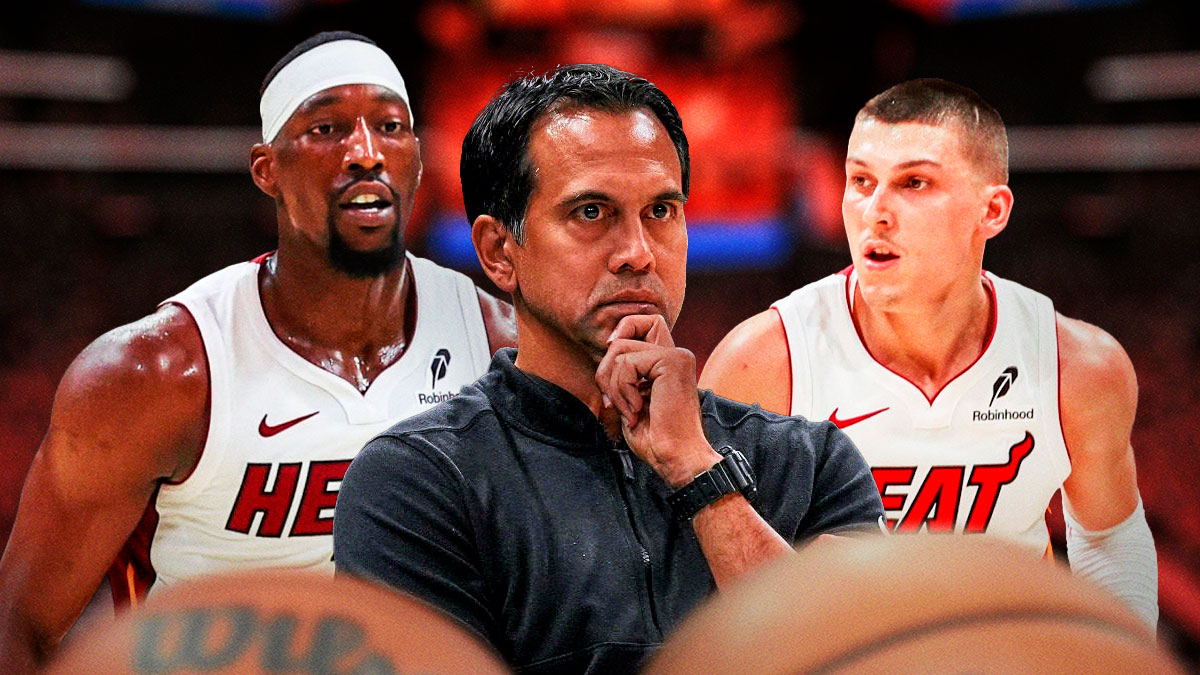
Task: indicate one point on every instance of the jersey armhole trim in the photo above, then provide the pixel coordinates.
(208, 402)
(216, 421)
(1058, 391)
(791, 389)
(470, 309)
(475, 325)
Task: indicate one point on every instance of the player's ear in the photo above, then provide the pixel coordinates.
(262, 169)
(998, 208)
(494, 244)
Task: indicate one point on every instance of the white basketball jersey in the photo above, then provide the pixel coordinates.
(985, 455)
(282, 430)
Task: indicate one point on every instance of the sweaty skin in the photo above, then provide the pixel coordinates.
(131, 411)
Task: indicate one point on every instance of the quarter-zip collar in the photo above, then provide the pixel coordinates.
(541, 408)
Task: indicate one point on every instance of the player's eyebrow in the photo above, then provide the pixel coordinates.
(902, 165)
(918, 162)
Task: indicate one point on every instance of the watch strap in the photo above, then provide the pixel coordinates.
(731, 474)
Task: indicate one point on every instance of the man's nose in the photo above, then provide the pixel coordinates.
(879, 209)
(632, 250)
(363, 151)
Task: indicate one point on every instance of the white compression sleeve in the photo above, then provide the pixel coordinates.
(1121, 559)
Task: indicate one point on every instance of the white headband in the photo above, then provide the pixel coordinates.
(329, 65)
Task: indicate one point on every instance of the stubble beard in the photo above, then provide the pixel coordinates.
(585, 333)
(579, 335)
(370, 264)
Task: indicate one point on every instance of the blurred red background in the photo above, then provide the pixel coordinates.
(124, 178)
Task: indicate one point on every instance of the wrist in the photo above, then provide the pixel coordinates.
(687, 465)
(730, 475)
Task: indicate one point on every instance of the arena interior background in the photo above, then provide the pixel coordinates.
(125, 127)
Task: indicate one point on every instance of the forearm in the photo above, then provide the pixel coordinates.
(1121, 559)
(735, 539)
(22, 648)
(42, 590)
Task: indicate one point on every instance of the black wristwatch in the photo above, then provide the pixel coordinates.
(731, 474)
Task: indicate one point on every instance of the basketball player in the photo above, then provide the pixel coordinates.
(971, 398)
(213, 434)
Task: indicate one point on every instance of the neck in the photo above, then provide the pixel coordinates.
(351, 327)
(550, 355)
(932, 343)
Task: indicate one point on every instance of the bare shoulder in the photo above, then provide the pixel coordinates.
(1094, 368)
(499, 319)
(1097, 405)
(140, 388)
(162, 350)
(130, 412)
(752, 365)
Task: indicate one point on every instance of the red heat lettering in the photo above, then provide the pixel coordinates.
(887, 476)
(937, 502)
(939, 495)
(253, 497)
(318, 497)
(990, 478)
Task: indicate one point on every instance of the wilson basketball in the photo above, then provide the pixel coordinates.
(279, 621)
(907, 604)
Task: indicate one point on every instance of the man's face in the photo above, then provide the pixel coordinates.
(605, 235)
(912, 208)
(345, 169)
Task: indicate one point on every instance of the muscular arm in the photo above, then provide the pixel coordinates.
(1108, 540)
(751, 364)
(129, 412)
(499, 320)
(1098, 401)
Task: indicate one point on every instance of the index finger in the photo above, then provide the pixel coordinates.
(650, 328)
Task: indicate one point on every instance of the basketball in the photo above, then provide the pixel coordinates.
(929, 604)
(278, 621)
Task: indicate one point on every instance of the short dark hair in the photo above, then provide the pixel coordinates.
(314, 41)
(935, 101)
(496, 174)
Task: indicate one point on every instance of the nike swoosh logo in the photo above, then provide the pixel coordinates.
(842, 424)
(267, 430)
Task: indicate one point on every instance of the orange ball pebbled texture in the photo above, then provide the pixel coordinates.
(912, 604)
